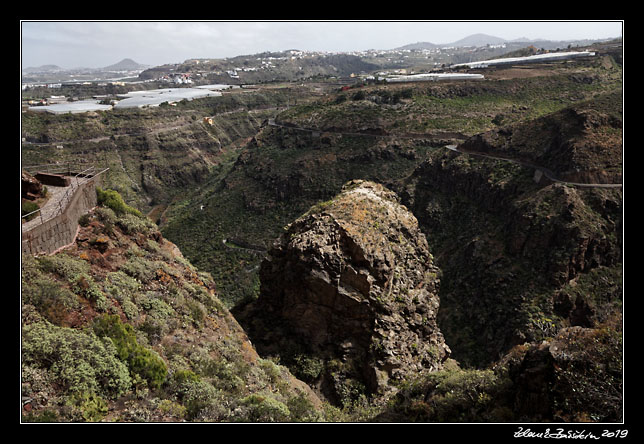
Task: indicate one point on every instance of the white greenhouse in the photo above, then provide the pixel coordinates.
(433, 77)
(138, 99)
(548, 57)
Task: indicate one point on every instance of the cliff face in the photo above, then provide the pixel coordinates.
(351, 284)
(520, 258)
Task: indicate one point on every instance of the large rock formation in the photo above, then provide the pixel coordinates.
(351, 283)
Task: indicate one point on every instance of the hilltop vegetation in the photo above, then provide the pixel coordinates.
(463, 107)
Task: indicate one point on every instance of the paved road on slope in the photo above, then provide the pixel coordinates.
(546, 172)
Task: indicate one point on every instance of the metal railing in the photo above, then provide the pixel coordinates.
(65, 168)
(75, 183)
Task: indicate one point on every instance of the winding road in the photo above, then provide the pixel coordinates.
(545, 171)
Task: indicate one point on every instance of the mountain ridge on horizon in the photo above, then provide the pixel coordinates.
(477, 39)
(123, 65)
(480, 39)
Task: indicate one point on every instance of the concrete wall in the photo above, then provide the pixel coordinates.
(61, 230)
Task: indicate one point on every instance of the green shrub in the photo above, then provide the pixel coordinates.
(76, 360)
(87, 406)
(51, 299)
(198, 397)
(360, 95)
(85, 286)
(140, 360)
(113, 200)
(44, 416)
(222, 374)
(106, 215)
(140, 268)
(168, 407)
(455, 395)
(302, 409)
(120, 285)
(307, 368)
(183, 376)
(196, 311)
(133, 224)
(265, 409)
(28, 207)
(83, 221)
(64, 265)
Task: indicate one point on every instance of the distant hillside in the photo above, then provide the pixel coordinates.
(478, 40)
(472, 40)
(43, 68)
(484, 39)
(419, 46)
(124, 65)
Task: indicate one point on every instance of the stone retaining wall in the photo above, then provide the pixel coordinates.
(61, 230)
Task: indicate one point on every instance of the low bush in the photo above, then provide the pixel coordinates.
(85, 286)
(50, 298)
(87, 406)
(84, 220)
(140, 360)
(113, 200)
(64, 265)
(265, 409)
(77, 361)
(198, 398)
(29, 207)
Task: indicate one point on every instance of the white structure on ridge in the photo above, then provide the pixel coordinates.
(548, 57)
(434, 77)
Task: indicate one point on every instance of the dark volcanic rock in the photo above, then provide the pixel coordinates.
(352, 282)
(31, 187)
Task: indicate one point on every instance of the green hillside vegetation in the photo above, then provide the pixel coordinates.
(122, 328)
(464, 107)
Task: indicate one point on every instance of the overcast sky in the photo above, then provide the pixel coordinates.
(94, 44)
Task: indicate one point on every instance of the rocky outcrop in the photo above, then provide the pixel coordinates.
(31, 187)
(575, 376)
(353, 283)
